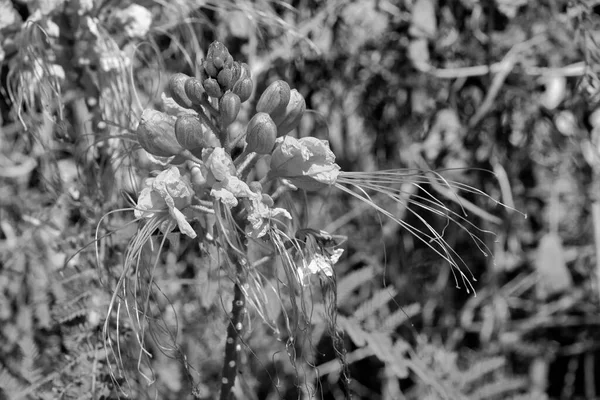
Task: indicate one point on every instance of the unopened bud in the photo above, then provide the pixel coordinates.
(156, 134)
(218, 62)
(293, 114)
(243, 89)
(194, 90)
(261, 134)
(192, 135)
(176, 88)
(229, 107)
(229, 61)
(267, 200)
(196, 176)
(255, 186)
(274, 99)
(236, 71)
(245, 71)
(210, 68)
(212, 88)
(217, 50)
(225, 78)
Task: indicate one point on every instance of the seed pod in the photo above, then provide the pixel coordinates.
(293, 114)
(156, 134)
(194, 90)
(176, 88)
(261, 134)
(274, 99)
(225, 78)
(212, 88)
(229, 107)
(243, 89)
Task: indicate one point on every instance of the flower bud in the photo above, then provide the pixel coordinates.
(225, 78)
(194, 90)
(245, 71)
(176, 88)
(197, 178)
(255, 186)
(188, 130)
(274, 99)
(267, 200)
(261, 134)
(218, 62)
(229, 107)
(229, 61)
(210, 68)
(212, 88)
(217, 50)
(293, 114)
(192, 135)
(236, 72)
(156, 134)
(243, 89)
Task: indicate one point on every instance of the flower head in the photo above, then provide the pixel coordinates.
(308, 163)
(166, 196)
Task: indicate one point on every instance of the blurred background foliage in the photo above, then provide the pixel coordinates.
(500, 94)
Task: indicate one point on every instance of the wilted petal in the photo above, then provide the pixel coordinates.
(220, 192)
(260, 215)
(236, 189)
(219, 163)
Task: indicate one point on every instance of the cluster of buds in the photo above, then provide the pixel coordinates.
(206, 106)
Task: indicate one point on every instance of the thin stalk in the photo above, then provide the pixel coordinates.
(232, 343)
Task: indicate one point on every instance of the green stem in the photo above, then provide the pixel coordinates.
(232, 343)
(206, 121)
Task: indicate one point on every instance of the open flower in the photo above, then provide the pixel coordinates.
(225, 185)
(260, 216)
(165, 197)
(308, 163)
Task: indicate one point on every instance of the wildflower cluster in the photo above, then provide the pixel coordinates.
(206, 171)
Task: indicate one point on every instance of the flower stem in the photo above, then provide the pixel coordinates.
(232, 343)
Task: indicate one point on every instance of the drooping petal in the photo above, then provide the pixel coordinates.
(149, 202)
(182, 223)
